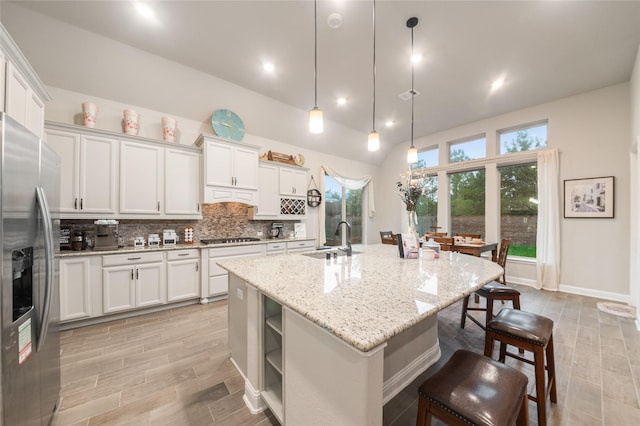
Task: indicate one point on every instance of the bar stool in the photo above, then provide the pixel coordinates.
(474, 389)
(491, 292)
(529, 332)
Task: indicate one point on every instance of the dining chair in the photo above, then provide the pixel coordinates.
(446, 243)
(495, 290)
(434, 234)
(462, 234)
(388, 237)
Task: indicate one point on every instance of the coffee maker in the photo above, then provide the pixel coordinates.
(106, 235)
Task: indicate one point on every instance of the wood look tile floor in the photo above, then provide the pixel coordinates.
(173, 368)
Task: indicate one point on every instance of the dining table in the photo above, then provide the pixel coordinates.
(476, 249)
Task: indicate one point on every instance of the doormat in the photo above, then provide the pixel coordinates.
(618, 309)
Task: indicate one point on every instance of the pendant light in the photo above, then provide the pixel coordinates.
(315, 115)
(412, 152)
(373, 143)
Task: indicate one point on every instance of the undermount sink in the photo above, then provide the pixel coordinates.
(322, 254)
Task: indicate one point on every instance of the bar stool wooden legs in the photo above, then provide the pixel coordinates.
(474, 389)
(491, 292)
(533, 333)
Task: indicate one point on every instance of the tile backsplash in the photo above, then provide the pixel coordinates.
(219, 220)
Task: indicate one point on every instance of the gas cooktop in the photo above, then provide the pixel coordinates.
(229, 240)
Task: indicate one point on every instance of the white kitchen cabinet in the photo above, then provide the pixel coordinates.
(87, 172)
(230, 170)
(80, 287)
(276, 248)
(141, 178)
(293, 181)
(282, 192)
(133, 280)
(181, 182)
(183, 279)
(268, 198)
(22, 94)
(215, 280)
(300, 246)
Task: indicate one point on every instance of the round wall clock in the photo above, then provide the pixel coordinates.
(227, 124)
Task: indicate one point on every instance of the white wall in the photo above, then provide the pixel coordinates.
(592, 132)
(634, 228)
(66, 106)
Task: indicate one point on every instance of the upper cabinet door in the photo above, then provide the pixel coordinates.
(293, 182)
(219, 165)
(246, 168)
(141, 172)
(98, 175)
(67, 146)
(22, 103)
(182, 182)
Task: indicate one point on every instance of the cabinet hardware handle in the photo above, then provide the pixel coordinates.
(75, 203)
(158, 205)
(183, 254)
(132, 275)
(197, 267)
(137, 273)
(81, 203)
(134, 258)
(198, 205)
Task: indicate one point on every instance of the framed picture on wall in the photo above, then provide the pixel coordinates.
(589, 198)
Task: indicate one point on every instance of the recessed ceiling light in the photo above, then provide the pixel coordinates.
(334, 20)
(497, 84)
(416, 58)
(145, 11)
(268, 67)
(342, 101)
(389, 123)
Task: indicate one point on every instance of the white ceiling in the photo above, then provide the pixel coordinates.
(545, 50)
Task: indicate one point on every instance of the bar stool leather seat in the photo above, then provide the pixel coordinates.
(528, 332)
(474, 389)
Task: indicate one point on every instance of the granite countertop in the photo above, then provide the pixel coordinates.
(368, 298)
(181, 246)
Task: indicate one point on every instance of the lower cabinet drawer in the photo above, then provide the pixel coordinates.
(218, 285)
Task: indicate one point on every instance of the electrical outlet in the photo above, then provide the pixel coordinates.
(239, 294)
(260, 233)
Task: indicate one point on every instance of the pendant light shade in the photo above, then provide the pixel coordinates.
(373, 143)
(315, 121)
(316, 125)
(412, 153)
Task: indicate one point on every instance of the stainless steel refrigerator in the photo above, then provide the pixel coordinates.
(30, 307)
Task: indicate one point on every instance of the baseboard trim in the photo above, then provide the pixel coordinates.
(616, 297)
(404, 377)
(253, 399)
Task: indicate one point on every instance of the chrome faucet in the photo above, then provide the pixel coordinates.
(348, 249)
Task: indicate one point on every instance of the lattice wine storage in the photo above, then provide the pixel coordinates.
(292, 206)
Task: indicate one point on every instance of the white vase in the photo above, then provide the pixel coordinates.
(89, 114)
(131, 122)
(169, 129)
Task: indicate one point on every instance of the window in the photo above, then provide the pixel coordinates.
(467, 202)
(342, 204)
(519, 208)
(468, 150)
(523, 139)
(426, 158)
(427, 207)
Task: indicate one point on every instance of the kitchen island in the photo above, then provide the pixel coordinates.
(329, 341)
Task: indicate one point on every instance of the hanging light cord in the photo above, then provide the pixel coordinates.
(413, 92)
(374, 66)
(315, 49)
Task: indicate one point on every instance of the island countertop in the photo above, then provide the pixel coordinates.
(370, 297)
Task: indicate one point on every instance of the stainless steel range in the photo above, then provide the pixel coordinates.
(229, 240)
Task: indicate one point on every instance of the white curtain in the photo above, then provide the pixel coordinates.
(548, 239)
(349, 183)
